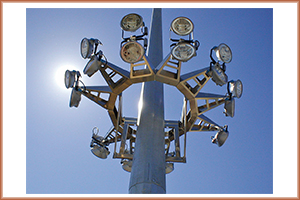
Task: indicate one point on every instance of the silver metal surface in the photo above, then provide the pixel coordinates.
(148, 167)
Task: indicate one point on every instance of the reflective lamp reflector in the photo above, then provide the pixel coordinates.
(218, 75)
(229, 107)
(69, 79)
(75, 98)
(235, 88)
(224, 53)
(100, 151)
(86, 48)
(183, 52)
(132, 52)
(169, 167)
(220, 138)
(92, 66)
(131, 22)
(182, 26)
(127, 165)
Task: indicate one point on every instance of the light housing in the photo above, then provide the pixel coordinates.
(218, 74)
(169, 167)
(127, 165)
(70, 78)
(132, 52)
(75, 98)
(223, 52)
(92, 66)
(220, 137)
(235, 88)
(86, 48)
(182, 26)
(183, 51)
(100, 151)
(229, 107)
(131, 22)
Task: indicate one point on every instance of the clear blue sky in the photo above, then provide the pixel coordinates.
(64, 164)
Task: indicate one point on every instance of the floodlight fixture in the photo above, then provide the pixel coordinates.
(132, 52)
(183, 51)
(169, 167)
(218, 74)
(98, 148)
(229, 107)
(223, 53)
(100, 151)
(69, 78)
(75, 98)
(220, 137)
(92, 66)
(182, 26)
(235, 88)
(131, 22)
(88, 47)
(126, 165)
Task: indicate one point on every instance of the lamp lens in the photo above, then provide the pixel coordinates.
(132, 52)
(86, 48)
(218, 75)
(131, 22)
(238, 88)
(224, 53)
(183, 52)
(69, 79)
(182, 26)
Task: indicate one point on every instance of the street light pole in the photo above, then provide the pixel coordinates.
(148, 168)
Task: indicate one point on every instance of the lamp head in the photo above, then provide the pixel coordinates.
(218, 74)
(229, 107)
(235, 88)
(183, 51)
(132, 52)
(182, 26)
(70, 78)
(75, 98)
(223, 52)
(100, 151)
(131, 22)
(92, 66)
(86, 48)
(127, 165)
(220, 137)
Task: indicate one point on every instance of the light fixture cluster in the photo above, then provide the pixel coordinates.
(183, 49)
(131, 50)
(217, 72)
(190, 84)
(88, 49)
(72, 81)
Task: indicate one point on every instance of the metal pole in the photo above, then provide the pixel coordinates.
(148, 168)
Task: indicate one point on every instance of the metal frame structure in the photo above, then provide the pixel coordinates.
(166, 71)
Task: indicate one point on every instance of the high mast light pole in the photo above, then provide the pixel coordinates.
(149, 145)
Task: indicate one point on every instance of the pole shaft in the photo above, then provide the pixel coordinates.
(148, 169)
